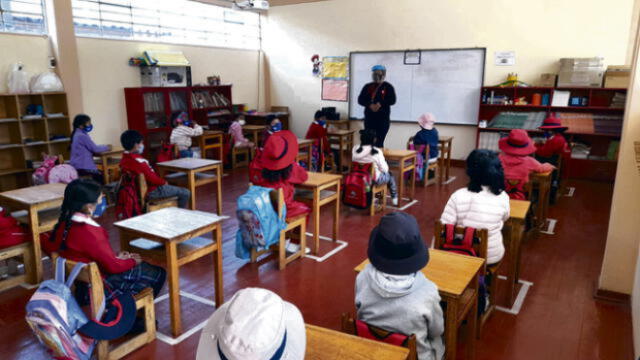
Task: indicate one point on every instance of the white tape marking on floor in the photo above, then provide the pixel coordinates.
(571, 191)
(522, 294)
(174, 341)
(404, 207)
(550, 228)
(450, 180)
(343, 244)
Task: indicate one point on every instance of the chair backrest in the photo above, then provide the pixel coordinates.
(277, 200)
(349, 327)
(142, 190)
(90, 274)
(512, 185)
(481, 234)
(425, 151)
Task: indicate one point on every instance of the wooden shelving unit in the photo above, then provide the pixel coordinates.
(24, 140)
(149, 111)
(598, 102)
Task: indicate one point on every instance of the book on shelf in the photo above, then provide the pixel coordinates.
(560, 98)
(518, 120)
(153, 102)
(489, 140)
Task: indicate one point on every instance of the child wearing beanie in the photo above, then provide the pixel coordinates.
(393, 294)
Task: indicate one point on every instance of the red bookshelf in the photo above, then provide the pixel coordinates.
(598, 135)
(149, 110)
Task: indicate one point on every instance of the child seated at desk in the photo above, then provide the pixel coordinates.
(273, 126)
(235, 130)
(255, 324)
(426, 136)
(83, 149)
(483, 204)
(366, 153)
(392, 293)
(279, 170)
(133, 164)
(78, 237)
(182, 133)
(318, 132)
(553, 149)
(517, 162)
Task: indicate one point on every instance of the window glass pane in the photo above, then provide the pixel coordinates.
(23, 16)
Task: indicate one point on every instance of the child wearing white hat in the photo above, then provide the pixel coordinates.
(256, 324)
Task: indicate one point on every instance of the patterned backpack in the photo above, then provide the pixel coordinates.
(55, 317)
(258, 223)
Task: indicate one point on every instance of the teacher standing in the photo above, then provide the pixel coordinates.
(377, 98)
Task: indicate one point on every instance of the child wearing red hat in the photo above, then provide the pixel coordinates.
(318, 132)
(556, 144)
(279, 169)
(517, 162)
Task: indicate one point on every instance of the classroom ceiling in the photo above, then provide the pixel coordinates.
(290, 2)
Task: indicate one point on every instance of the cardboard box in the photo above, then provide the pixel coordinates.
(547, 80)
(617, 77)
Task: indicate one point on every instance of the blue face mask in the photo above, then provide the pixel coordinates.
(277, 127)
(187, 123)
(100, 208)
(88, 129)
(321, 122)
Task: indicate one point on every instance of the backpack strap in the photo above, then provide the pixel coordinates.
(467, 240)
(449, 231)
(74, 273)
(59, 276)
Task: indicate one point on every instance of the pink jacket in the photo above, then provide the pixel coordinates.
(519, 167)
(235, 130)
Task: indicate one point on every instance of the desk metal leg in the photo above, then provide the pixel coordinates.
(174, 287)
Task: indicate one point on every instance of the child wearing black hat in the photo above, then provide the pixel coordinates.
(392, 293)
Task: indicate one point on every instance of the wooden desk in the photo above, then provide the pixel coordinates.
(456, 277)
(325, 344)
(344, 140)
(444, 145)
(173, 235)
(253, 132)
(541, 181)
(211, 140)
(321, 189)
(513, 232)
(406, 162)
(190, 173)
(42, 204)
(109, 161)
(343, 124)
(305, 150)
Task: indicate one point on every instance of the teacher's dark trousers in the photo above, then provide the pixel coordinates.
(381, 127)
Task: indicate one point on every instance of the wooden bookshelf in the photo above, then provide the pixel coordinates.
(24, 140)
(149, 110)
(599, 135)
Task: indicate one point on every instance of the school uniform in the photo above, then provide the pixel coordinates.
(318, 133)
(298, 176)
(181, 137)
(428, 137)
(553, 147)
(82, 150)
(87, 242)
(381, 174)
(239, 141)
(157, 187)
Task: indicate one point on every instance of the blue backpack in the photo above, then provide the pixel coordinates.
(55, 317)
(258, 223)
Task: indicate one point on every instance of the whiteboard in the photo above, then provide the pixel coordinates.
(446, 83)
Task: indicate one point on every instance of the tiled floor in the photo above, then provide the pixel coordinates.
(559, 319)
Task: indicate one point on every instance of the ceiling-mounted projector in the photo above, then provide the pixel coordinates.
(251, 4)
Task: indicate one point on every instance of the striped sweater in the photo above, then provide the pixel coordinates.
(483, 210)
(181, 135)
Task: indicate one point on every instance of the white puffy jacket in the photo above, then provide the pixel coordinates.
(366, 157)
(482, 210)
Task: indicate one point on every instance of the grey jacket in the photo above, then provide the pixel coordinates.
(408, 304)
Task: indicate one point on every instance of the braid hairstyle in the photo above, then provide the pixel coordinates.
(77, 195)
(367, 137)
(79, 120)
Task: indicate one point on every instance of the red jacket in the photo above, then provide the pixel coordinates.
(519, 167)
(136, 164)
(87, 242)
(556, 145)
(319, 132)
(298, 176)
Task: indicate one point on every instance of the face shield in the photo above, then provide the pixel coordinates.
(378, 76)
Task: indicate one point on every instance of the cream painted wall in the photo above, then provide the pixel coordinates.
(539, 31)
(32, 51)
(105, 72)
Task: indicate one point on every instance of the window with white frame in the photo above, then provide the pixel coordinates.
(23, 16)
(169, 21)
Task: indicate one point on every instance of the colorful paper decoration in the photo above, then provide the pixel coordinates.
(335, 90)
(335, 67)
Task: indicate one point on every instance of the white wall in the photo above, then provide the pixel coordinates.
(540, 32)
(32, 51)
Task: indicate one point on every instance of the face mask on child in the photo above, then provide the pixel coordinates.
(88, 129)
(100, 208)
(277, 127)
(187, 123)
(140, 149)
(321, 122)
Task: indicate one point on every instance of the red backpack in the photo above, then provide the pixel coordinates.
(459, 244)
(166, 153)
(357, 186)
(397, 339)
(127, 199)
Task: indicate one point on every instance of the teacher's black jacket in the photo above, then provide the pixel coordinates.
(385, 95)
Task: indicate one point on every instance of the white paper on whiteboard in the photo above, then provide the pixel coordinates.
(505, 58)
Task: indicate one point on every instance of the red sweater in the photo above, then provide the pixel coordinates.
(519, 167)
(87, 242)
(298, 176)
(556, 145)
(136, 164)
(318, 132)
